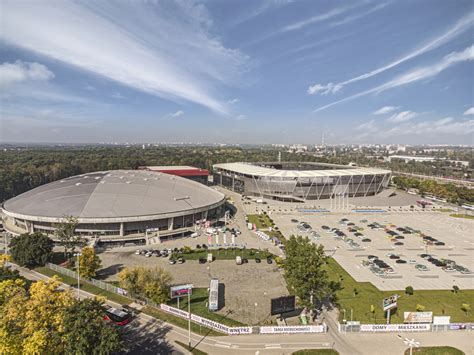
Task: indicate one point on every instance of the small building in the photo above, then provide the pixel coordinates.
(188, 172)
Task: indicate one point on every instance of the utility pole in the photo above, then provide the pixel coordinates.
(189, 319)
(77, 255)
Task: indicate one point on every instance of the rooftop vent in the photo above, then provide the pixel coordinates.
(128, 182)
(78, 183)
(102, 182)
(97, 177)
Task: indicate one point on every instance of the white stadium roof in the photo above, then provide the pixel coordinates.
(257, 170)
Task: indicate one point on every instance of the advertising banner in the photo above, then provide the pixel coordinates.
(441, 320)
(395, 327)
(458, 326)
(181, 290)
(293, 329)
(207, 322)
(417, 317)
(389, 302)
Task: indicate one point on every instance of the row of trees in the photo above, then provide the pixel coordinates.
(452, 193)
(40, 318)
(36, 249)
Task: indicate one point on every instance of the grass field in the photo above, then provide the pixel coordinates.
(316, 352)
(444, 210)
(367, 295)
(180, 322)
(226, 254)
(84, 286)
(458, 215)
(435, 350)
(261, 221)
(199, 300)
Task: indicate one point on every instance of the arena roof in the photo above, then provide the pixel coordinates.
(114, 194)
(257, 170)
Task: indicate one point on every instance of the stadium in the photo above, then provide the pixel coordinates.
(300, 181)
(117, 205)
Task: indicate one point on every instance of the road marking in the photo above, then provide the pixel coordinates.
(220, 345)
(272, 346)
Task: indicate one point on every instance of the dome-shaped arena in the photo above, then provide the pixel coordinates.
(117, 204)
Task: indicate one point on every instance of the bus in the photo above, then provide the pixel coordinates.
(117, 316)
(214, 295)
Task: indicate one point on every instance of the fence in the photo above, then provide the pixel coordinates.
(355, 327)
(100, 284)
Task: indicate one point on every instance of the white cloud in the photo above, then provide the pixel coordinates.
(354, 17)
(233, 101)
(413, 76)
(402, 116)
(177, 114)
(443, 126)
(241, 118)
(368, 127)
(323, 89)
(461, 26)
(169, 52)
(384, 110)
(19, 72)
(469, 111)
(315, 19)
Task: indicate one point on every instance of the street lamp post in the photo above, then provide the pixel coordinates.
(409, 342)
(77, 255)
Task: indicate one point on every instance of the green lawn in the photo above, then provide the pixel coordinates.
(262, 221)
(225, 254)
(444, 210)
(199, 299)
(367, 295)
(84, 286)
(193, 351)
(459, 215)
(180, 322)
(435, 350)
(316, 352)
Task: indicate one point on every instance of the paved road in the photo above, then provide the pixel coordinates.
(146, 335)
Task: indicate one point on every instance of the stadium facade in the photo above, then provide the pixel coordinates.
(117, 205)
(298, 181)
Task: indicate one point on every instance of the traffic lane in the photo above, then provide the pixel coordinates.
(147, 337)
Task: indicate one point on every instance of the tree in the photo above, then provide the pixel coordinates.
(455, 289)
(89, 263)
(409, 290)
(420, 308)
(305, 274)
(38, 325)
(466, 307)
(65, 231)
(151, 283)
(86, 332)
(31, 250)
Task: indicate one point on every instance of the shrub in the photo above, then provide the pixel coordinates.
(455, 289)
(31, 250)
(409, 290)
(420, 308)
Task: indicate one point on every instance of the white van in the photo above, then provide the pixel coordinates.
(238, 260)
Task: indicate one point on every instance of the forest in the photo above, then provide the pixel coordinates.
(22, 169)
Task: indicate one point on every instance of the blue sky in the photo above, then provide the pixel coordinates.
(247, 71)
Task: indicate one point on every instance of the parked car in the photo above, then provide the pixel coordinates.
(401, 261)
(258, 260)
(269, 260)
(366, 240)
(172, 261)
(180, 260)
(202, 261)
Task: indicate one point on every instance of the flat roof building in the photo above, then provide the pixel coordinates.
(300, 181)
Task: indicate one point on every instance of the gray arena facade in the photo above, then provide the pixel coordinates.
(300, 181)
(117, 205)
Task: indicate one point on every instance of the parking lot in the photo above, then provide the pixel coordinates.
(245, 285)
(455, 233)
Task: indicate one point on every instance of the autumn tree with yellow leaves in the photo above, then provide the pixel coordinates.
(37, 320)
(89, 263)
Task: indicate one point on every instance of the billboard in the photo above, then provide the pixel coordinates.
(389, 302)
(441, 320)
(282, 304)
(417, 317)
(394, 327)
(294, 329)
(181, 291)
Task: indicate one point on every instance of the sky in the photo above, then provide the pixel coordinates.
(237, 71)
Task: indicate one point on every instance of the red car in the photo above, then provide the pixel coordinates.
(117, 316)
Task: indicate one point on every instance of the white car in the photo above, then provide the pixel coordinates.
(137, 252)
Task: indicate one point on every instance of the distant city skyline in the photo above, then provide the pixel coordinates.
(248, 72)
